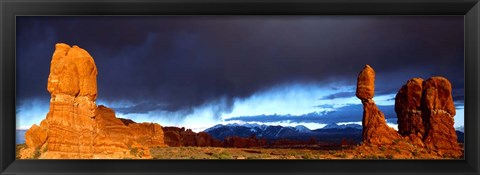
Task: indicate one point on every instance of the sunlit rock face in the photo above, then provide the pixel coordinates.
(116, 138)
(375, 128)
(425, 112)
(75, 128)
(409, 110)
(439, 112)
(366, 83)
(175, 136)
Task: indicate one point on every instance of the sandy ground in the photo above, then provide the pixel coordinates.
(400, 150)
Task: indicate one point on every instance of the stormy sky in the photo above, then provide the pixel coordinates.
(198, 71)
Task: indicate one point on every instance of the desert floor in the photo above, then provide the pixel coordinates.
(402, 150)
(399, 150)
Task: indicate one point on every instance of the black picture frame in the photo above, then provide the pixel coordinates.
(11, 8)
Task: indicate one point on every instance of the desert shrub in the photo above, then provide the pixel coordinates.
(19, 148)
(291, 153)
(382, 148)
(134, 151)
(308, 156)
(222, 155)
(390, 156)
(36, 153)
(415, 153)
(342, 155)
(44, 149)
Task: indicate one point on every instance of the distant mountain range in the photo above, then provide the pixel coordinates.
(336, 126)
(330, 133)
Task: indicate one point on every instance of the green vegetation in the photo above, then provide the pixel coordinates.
(36, 153)
(286, 153)
(19, 147)
(415, 153)
(308, 156)
(342, 155)
(134, 151)
(382, 148)
(222, 155)
(44, 148)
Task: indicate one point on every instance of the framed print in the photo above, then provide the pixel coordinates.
(279, 87)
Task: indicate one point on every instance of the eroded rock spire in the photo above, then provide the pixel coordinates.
(75, 127)
(375, 128)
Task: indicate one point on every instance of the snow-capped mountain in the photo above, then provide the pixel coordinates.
(299, 132)
(303, 129)
(260, 131)
(343, 126)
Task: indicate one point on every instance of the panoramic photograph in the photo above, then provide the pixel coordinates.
(240, 87)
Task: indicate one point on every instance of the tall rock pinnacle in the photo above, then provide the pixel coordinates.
(375, 128)
(75, 127)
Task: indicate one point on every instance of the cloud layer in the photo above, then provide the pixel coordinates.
(174, 66)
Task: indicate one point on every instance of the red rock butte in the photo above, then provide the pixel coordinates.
(425, 112)
(75, 127)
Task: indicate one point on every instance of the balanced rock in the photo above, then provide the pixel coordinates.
(75, 127)
(375, 128)
(366, 83)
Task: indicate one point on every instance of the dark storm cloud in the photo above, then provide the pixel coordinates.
(139, 108)
(350, 113)
(339, 95)
(185, 61)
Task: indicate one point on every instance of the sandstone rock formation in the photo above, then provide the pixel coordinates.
(124, 136)
(425, 112)
(180, 137)
(409, 111)
(439, 111)
(375, 128)
(75, 127)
